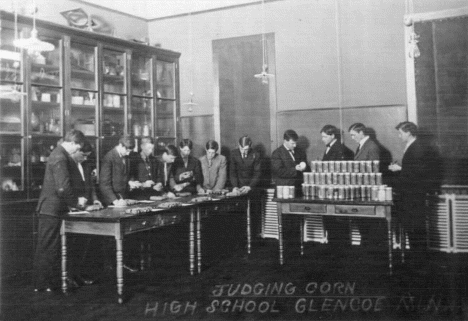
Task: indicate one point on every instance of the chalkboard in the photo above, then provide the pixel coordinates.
(441, 79)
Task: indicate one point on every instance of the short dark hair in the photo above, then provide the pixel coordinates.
(147, 140)
(87, 147)
(330, 130)
(127, 141)
(171, 150)
(74, 136)
(212, 144)
(290, 134)
(408, 126)
(245, 141)
(358, 127)
(186, 142)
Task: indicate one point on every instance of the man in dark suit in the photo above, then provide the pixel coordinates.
(144, 171)
(288, 162)
(338, 229)
(245, 167)
(115, 173)
(186, 172)
(412, 185)
(367, 149)
(57, 196)
(165, 169)
(335, 149)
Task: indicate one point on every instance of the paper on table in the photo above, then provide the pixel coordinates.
(78, 212)
(146, 201)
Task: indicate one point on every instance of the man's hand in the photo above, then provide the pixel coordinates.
(134, 184)
(170, 195)
(158, 187)
(120, 202)
(185, 175)
(98, 204)
(179, 187)
(82, 202)
(245, 189)
(148, 184)
(301, 166)
(394, 167)
(201, 191)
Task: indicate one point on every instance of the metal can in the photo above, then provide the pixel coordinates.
(331, 166)
(376, 166)
(358, 178)
(337, 166)
(362, 166)
(349, 166)
(319, 166)
(353, 178)
(388, 194)
(317, 178)
(382, 193)
(313, 166)
(285, 191)
(335, 178)
(279, 191)
(375, 193)
(325, 166)
(372, 179)
(369, 192)
(363, 192)
(343, 166)
(378, 178)
(323, 178)
(329, 192)
(365, 178)
(357, 192)
(341, 192)
(347, 178)
(356, 166)
(340, 178)
(292, 191)
(321, 192)
(312, 191)
(368, 166)
(351, 192)
(305, 190)
(329, 178)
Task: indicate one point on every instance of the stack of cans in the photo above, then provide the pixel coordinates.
(285, 192)
(346, 180)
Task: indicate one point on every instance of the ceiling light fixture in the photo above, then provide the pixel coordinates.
(33, 44)
(190, 104)
(264, 75)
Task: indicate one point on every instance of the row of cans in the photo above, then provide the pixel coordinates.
(345, 166)
(285, 192)
(375, 193)
(343, 178)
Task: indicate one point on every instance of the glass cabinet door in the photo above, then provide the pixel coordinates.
(114, 93)
(12, 166)
(46, 91)
(141, 108)
(83, 88)
(11, 84)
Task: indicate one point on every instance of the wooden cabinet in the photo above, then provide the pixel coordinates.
(101, 85)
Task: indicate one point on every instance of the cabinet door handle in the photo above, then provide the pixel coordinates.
(307, 208)
(354, 210)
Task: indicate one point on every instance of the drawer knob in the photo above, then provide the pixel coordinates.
(354, 210)
(144, 223)
(307, 208)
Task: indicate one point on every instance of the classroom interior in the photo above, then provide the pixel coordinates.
(241, 67)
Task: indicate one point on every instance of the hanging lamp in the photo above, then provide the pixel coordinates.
(190, 104)
(33, 44)
(264, 75)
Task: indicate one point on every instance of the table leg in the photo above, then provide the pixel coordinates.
(280, 234)
(119, 257)
(301, 228)
(198, 240)
(249, 232)
(390, 246)
(402, 243)
(192, 241)
(64, 258)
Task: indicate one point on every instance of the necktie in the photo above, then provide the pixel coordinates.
(292, 153)
(328, 149)
(244, 155)
(165, 173)
(358, 149)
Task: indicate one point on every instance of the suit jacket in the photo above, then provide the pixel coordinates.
(214, 176)
(368, 151)
(415, 171)
(194, 166)
(83, 188)
(283, 166)
(165, 181)
(57, 192)
(245, 171)
(338, 151)
(114, 177)
(140, 171)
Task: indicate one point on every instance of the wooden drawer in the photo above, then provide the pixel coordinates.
(355, 210)
(146, 223)
(306, 208)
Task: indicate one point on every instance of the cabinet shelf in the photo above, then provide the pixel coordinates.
(42, 104)
(113, 78)
(85, 74)
(84, 107)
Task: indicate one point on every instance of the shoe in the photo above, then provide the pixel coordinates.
(46, 290)
(130, 269)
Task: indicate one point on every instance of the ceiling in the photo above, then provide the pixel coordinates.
(153, 9)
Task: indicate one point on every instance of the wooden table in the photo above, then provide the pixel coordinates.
(351, 209)
(115, 222)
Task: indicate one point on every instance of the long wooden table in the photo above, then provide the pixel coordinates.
(351, 209)
(115, 222)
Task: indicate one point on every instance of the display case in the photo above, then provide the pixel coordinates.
(100, 85)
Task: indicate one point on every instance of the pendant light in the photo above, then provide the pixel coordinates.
(264, 75)
(190, 104)
(33, 44)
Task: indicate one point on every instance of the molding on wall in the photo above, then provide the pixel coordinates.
(337, 108)
(443, 14)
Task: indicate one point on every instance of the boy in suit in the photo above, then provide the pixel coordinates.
(367, 149)
(144, 171)
(57, 196)
(288, 162)
(115, 173)
(245, 169)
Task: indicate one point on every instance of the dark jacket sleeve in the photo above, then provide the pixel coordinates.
(198, 173)
(257, 171)
(279, 168)
(105, 180)
(61, 172)
(233, 170)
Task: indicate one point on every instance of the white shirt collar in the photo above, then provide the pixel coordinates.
(409, 142)
(363, 140)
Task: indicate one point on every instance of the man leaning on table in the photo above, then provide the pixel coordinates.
(57, 197)
(115, 173)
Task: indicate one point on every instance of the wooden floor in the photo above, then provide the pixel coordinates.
(330, 282)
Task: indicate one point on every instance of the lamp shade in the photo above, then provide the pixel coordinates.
(33, 44)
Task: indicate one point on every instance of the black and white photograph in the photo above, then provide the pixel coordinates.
(233, 160)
